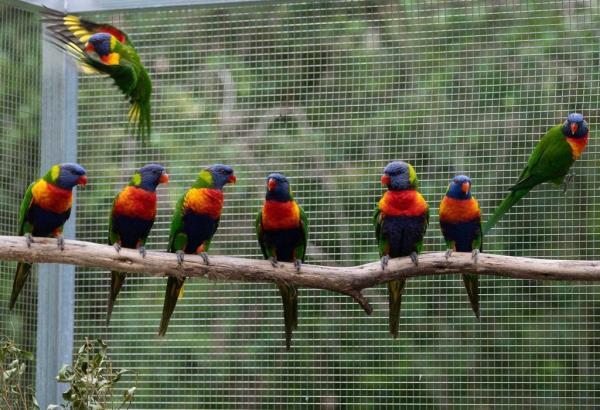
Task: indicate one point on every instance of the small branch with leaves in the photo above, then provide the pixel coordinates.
(349, 281)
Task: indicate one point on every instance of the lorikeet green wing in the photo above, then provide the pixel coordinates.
(25, 227)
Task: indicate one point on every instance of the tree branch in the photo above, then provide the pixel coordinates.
(349, 281)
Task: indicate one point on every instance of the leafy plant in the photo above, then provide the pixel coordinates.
(92, 379)
(12, 367)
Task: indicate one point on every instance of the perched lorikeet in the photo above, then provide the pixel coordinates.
(194, 223)
(460, 221)
(131, 218)
(282, 230)
(400, 220)
(44, 210)
(105, 49)
(550, 161)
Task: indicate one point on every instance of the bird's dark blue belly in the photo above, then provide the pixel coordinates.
(198, 228)
(462, 233)
(131, 230)
(403, 233)
(284, 241)
(44, 222)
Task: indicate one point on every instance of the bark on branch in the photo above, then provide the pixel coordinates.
(349, 281)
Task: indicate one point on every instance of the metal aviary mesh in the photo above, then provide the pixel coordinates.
(328, 93)
(19, 157)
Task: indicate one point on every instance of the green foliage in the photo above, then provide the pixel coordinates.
(13, 395)
(92, 379)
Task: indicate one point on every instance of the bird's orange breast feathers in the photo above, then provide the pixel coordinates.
(459, 210)
(403, 203)
(136, 202)
(50, 197)
(280, 215)
(577, 146)
(204, 201)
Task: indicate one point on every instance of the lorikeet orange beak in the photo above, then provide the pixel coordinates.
(385, 179)
(232, 179)
(82, 180)
(465, 187)
(164, 179)
(271, 184)
(574, 127)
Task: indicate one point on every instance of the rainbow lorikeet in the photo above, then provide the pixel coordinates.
(105, 49)
(282, 230)
(44, 210)
(131, 218)
(194, 223)
(400, 220)
(550, 161)
(460, 221)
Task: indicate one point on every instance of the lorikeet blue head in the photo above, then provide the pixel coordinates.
(68, 175)
(460, 187)
(221, 175)
(399, 176)
(150, 176)
(100, 43)
(278, 188)
(575, 126)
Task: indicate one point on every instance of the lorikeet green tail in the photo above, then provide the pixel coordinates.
(44, 210)
(131, 218)
(282, 230)
(194, 223)
(105, 49)
(460, 221)
(400, 220)
(550, 162)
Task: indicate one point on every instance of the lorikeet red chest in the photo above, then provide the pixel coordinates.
(201, 212)
(51, 198)
(135, 202)
(280, 215)
(460, 221)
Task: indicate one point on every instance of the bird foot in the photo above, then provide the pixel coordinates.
(142, 251)
(297, 265)
(448, 254)
(273, 261)
(567, 181)
(415, 258)
(384, 261)
(60, 242)
(179, 257)
(117, 247)
(204, 257)
(475, 255)
(28, 239)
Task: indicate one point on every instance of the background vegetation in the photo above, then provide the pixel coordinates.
(328, 93)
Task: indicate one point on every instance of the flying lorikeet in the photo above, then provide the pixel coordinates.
(44, 210)
(131, 218)
(194, 223)
(105, 49)
(282, 230)
(400, 220)
(460, 221)
(550, 161)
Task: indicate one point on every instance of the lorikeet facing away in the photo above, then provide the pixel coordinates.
(550, 161)
(105, 49)
(400, 220)
(44, 210)
(194, 223)
(460, 221)
(282, 230)
(131, 218)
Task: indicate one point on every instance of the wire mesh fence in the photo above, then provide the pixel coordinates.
(328, 93)
(19, 154)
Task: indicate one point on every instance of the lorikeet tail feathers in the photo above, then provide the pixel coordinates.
(395, 288)
(174, 286)
(505, 205)
(23, 270)
(116, 283)
(472, 285)
(289, 297)
(139, 115)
